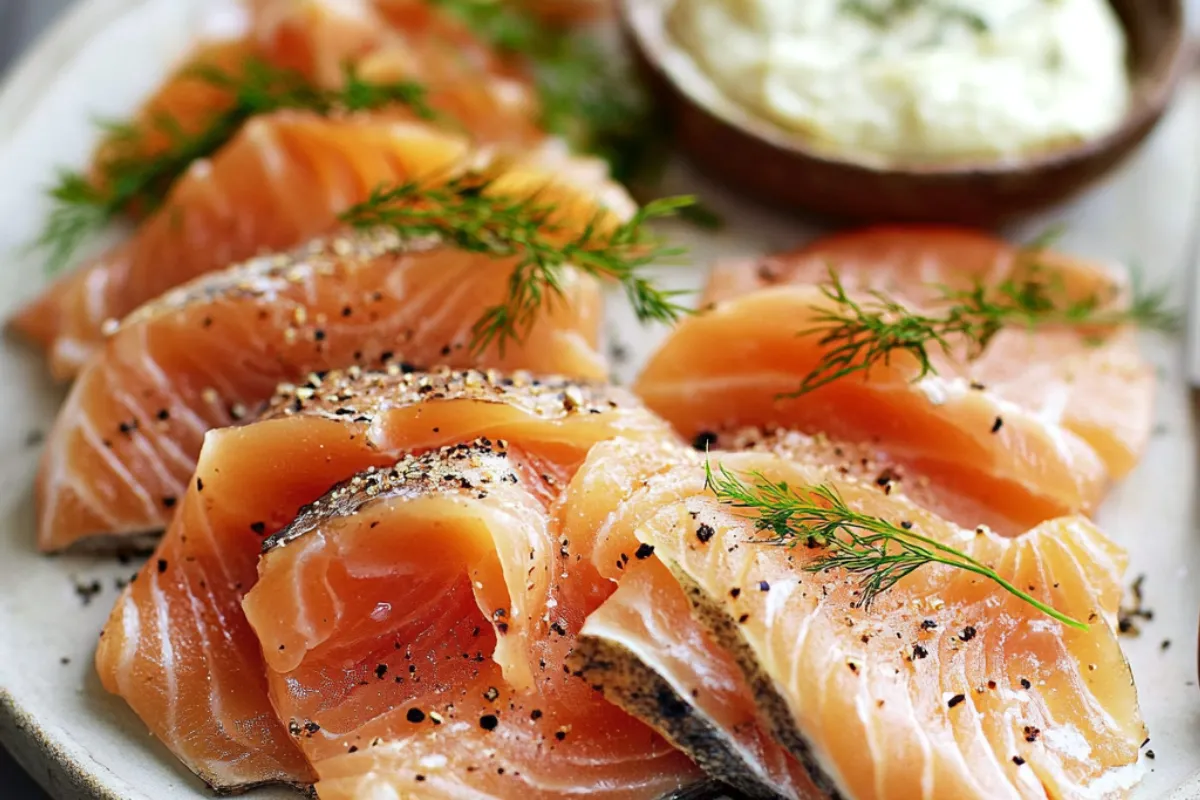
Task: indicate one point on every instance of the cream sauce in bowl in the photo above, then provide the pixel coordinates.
(911, 82)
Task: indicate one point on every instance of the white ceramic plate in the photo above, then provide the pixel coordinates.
(80, 742)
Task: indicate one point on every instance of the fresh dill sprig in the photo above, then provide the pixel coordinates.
(463, 212)
(588, 94)
(860, 334)
(885, 13)
(873, 548)
(128, 178)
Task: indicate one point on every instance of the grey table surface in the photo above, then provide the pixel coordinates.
(20, 23)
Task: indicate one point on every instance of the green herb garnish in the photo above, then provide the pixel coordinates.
(873, 548)
(860, 334)
(128, 178)
(588, 94)
(464, 213)
(884, 13)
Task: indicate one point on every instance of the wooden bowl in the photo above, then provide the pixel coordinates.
(775, 166)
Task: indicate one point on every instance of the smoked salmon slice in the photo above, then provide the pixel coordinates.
(945, 687)
(211, 353)
(178, 647)
(444, 582)
(730, 367)
(1093, 383)
(952, 496)
(318, 40)
(467, 85)
(282, 180)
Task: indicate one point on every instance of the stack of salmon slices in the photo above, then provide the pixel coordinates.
(400, 558)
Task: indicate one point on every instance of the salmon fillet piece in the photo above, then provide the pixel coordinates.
(304, 168)
(469, 86)
(933, 486)
(1092, 382)
(185, 98)
(443, 582)
(318, 39)
(728, 368)
(211, 353)
(946, 687)
(178, 647)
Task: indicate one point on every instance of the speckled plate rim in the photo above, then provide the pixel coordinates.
(56, 762)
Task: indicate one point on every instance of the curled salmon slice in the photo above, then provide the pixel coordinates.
(1092, 382)
(210, 353)
(731, 367)
(946, 687)
(441, 582)
(177, 646)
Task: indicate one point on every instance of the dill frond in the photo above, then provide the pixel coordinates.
(127, 178)
(860, 334)
(588, 94)
(880, 553)
(464, 213)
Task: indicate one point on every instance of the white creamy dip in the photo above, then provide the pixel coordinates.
(915, 81)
